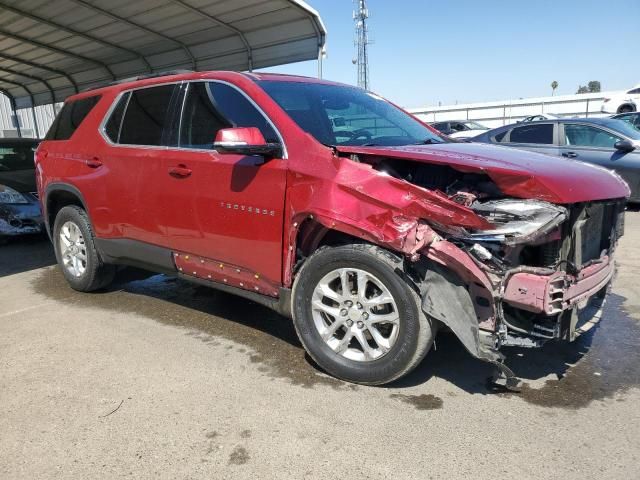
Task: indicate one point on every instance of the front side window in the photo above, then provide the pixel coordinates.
(588, 136)
(441, 127)
(635, 91)
(146, 116)
(70, 118)
(367, 119)
(538, 133)
(459, 127)
(212, 106)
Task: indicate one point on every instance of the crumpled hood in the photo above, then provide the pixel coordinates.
(518, 173)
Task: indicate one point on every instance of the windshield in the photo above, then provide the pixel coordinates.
(475, 126)
(341, 115)
(624, 128)
(16, 157)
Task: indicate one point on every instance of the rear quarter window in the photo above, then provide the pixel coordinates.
(70, 117)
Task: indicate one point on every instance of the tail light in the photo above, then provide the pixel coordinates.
(606, 100)
(40, 155)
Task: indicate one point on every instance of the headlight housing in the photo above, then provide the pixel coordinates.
(517, 221)
(9, 195)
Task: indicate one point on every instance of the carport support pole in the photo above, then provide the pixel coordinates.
(35, 121)
(14, 114)
(321, 53)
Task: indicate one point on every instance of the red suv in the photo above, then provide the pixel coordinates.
(371, 232)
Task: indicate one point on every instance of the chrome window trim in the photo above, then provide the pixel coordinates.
(105, 120)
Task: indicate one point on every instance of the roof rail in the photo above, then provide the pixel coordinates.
(140, 77)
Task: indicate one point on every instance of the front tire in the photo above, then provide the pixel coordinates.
(76, 253)
(357, 316)
(626, 109)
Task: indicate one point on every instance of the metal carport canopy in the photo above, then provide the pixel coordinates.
(50, 49)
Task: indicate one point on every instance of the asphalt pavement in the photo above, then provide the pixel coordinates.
(158, 378)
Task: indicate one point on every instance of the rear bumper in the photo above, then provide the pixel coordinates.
(556, 292)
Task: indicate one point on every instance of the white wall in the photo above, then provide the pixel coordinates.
(504, 112)
(44, 116)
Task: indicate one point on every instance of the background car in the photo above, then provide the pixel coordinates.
(608, 142)
(459, 128)
(622, 103)
(19, 207)
(632, 118)
(540, 116)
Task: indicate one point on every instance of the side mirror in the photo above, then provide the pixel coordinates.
(245, 141)
(624, 146)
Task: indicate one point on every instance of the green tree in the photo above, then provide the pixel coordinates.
(594, 86)
(582, 89)
(554, 86)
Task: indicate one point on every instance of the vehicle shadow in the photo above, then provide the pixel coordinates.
(447, 360)
(24, 253)
(450, 361)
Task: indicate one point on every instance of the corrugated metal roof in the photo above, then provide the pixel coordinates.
(50, 49)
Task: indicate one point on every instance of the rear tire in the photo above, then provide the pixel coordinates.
(373, 331)
(73, 240)
(626, 109)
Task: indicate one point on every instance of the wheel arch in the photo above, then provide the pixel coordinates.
(57, 196)
(630, 104)
(311, 234)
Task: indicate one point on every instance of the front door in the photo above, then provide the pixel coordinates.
(596, 145)
(224, 212)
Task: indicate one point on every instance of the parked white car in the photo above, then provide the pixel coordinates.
(628, 101)
(459, 128)
(539, 117)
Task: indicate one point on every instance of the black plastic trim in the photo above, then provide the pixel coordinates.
(124, 251)
(52, 188)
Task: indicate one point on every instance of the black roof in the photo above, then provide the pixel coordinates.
(19, 141)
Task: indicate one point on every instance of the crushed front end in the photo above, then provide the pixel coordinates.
(540, 274)
(19, 213)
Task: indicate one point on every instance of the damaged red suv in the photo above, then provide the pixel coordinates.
(335, 207)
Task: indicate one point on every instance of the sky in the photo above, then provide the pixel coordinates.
(431, 51)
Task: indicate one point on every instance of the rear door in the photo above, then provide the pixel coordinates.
(538, 137)
(592, 144)
(224, 209)
(134, 159)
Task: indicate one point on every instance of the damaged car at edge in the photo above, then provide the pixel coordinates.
(370, 241)
(19, 208)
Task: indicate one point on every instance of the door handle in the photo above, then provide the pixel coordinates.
(570, 154)
(181, 171)
(94, 162)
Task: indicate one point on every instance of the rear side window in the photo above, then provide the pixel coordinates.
(540, 133)
(212, 106)
(146, 116)
(112, 128)
(70, 118)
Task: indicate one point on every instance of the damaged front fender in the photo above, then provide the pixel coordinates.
(368, 204)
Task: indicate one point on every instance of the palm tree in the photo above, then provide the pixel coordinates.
(554, 85)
